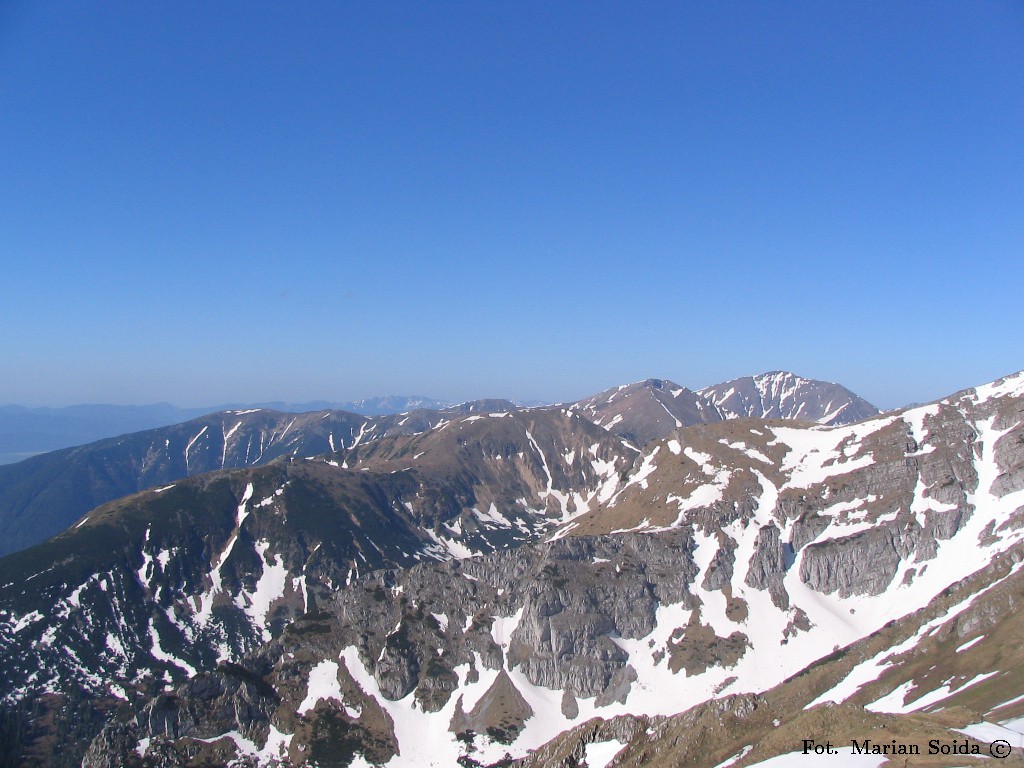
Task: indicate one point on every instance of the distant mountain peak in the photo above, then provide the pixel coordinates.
(655, 408)
(655, 384)
(647, 410)
(484, 406)
(391, 404)
(785, 395)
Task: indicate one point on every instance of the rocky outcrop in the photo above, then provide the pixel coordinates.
(500, 713)
(184, 726)
(768, 565)
(863, 563)
(563, 639)
(720, 571)
(1009, 457)
(809, 526)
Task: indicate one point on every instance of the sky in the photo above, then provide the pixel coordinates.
(255, 201)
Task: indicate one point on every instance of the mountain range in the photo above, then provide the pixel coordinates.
(26, 432)
(651, 576)
(43, 495)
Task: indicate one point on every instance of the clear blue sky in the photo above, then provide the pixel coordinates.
(244, 201)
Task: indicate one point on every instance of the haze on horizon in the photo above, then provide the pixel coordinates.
(249, 202)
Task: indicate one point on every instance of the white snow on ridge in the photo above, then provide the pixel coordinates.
(678, 423)
(243, 745)
(915, 419)
(453, 547)
(814, 456)
(503, 627)
(735, 758)
(873, 668)
(423, 737)
(606, 469)
(25, 621)
(646, 468)
(491, 517)
(145, 571)
(895, 701)
(1012, 385)
(751, 452)
(969, 643)
(615, 420)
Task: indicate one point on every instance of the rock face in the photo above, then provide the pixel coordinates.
(861, 564)
(768, 565)
(232, 699)
(563, 640)
(502, 578)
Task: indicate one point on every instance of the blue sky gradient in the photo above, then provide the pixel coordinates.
(213, 202)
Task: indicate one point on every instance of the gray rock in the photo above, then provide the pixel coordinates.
(768, 566)
(720, 570)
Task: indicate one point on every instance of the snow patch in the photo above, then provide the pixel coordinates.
(323, 685)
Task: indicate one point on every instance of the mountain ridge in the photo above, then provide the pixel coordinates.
(26, 431)
(30, 430)
(42, 495)
(659, 573)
